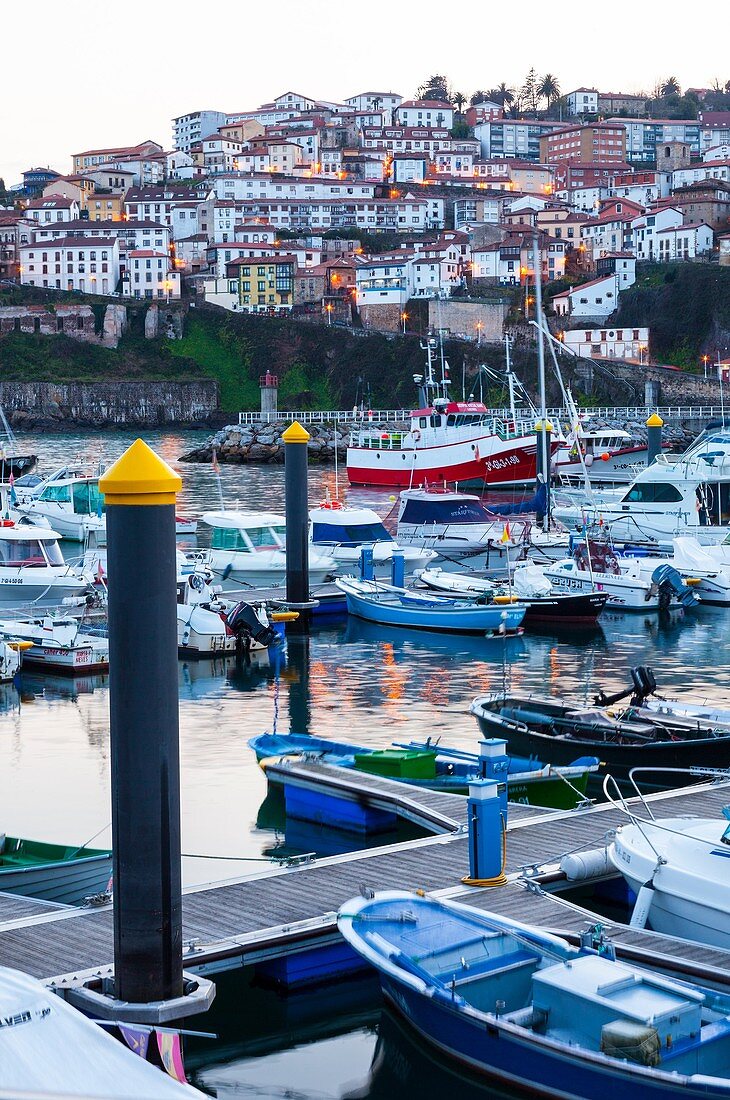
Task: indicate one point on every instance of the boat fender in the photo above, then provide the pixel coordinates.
(583, 865)
(644, 898)
(196, 582)
(8, 523)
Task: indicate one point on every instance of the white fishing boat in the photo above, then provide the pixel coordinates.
(69, 501)
(677, 868)
(342, 532)
(249, 548)
(48, 1048)
(32, 568)
(701, 568)
(58, 643)
(627, 588)
(611, 455)
(678, 495)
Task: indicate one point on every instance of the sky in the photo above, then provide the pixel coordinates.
(78, 77)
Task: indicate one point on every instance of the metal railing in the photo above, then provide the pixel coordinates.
(618, 412)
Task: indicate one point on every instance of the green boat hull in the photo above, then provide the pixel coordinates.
(52, 872)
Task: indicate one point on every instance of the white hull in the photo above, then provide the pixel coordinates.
(348, 558)
(623, 592)
(42, 592)
(75, 528)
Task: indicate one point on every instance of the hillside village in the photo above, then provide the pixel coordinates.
(347, 212)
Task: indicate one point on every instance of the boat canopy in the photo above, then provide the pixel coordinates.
(347, 526)
(26, 550)
(248, 521)
(444, 509)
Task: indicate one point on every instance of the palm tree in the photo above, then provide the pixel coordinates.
(502, 95)
(478, 96)
(671, 86)
(458, 100)
(549, 89)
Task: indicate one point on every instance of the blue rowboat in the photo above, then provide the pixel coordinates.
(391, 606)
(525, 1008)
(529, 780)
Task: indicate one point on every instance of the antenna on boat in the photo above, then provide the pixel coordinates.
(337, 473)
(510, 380)
(543, 435)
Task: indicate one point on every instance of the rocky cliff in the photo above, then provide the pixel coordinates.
(58, 405)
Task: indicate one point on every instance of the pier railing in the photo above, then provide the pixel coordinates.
(624, 413)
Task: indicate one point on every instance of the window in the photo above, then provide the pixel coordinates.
(653, 493)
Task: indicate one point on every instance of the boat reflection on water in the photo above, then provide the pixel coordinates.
(44, 685)
(471, 646)
(403, 1066)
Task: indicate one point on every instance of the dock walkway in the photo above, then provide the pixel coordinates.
(289, 909)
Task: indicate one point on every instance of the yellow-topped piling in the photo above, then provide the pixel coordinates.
(655, 421)
(296, 433)
(140, 477)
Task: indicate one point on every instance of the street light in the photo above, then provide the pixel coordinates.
(705, 360)
(642, 349)
(479, 332)
(404, 318)
(329, 307)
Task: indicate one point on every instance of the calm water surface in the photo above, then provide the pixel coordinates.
(351, 679)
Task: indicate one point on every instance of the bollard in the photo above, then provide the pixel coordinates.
(398, 569)
(494, 765)
(366, 563)
(654, 427)
(485, 830)
(140, 492)
(542, 467)
(297, 523)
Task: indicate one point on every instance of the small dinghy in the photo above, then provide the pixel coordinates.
(48, 1048)
(530, 587)
(58, 643)
(439, 768)
(639, 734)
(52, 872)
(525, 1008)
(392, 606)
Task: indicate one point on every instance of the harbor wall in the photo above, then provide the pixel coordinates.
(58, 405)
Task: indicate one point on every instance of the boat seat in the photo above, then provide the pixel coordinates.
(709, 1033)
(528, 717)
(513, 960)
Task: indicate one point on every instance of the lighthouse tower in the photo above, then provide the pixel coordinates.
(269, 384)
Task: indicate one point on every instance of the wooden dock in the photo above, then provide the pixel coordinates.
(291, 909)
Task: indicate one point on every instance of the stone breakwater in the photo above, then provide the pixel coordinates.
(263, 443)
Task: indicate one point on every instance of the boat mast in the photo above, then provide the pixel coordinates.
(510, 381)
(544, 455)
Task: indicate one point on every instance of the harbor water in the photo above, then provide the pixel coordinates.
(349, 679)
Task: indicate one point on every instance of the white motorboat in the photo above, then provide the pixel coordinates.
(69, 501)
(459, 528)
(211, 626)
(249, 548)
(706, 572)
(11, 658)
(48, 1048)
(342, 532)
(32, 569)
(185, 525)
(625, 584)
(677, 495)
(58, 643)
(681, 863)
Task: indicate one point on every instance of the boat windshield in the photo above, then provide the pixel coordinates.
(88, 501)
(58, 494)
(258, 538)
(350, 534)
(29, 552)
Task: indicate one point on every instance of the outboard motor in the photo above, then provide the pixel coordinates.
(246, 625)
(644, 684)
(670, 584)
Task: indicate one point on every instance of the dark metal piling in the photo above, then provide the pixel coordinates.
(654, 427)
(297, 524)
(140, 492)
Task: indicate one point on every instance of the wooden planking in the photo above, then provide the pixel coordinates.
(15, 907)
(283, 897)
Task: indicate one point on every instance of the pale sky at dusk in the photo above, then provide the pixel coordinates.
(78, 77)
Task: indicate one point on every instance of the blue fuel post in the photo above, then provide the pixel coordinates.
(140, 491)
(494, 765)
(398, 569)
(654, 427)
(296, 439)
(485, 819)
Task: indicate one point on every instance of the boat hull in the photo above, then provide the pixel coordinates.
(464, 620)
(16, 591)
(66, 882)
(487, 461)
(71, 661)
(619, 468)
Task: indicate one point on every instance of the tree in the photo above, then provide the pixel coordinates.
(436, 87)
(461, 130)
(478, 97)
(503, 95)
(549, 89)
(459, 100)
(529, 92)
(671, 87)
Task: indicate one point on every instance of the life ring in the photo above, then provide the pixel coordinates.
(336, 505)
(8, 523)
(415, 435)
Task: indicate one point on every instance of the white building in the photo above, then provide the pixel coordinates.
(384, 282)
(683, 242)
(220, 154)
(90, 266)
(597, 298)
(647, 226)
(191, 128)
(375, 101)
(277, 187)
(424, 112)
(708, 170)
(583, 101)
(149, 275)
(131, 234)
(52, 208)
(621, 343)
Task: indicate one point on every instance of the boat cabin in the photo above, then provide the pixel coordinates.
(26, 545)
(336, 526)
(81, 495)
(246, 532)
(421, 507)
